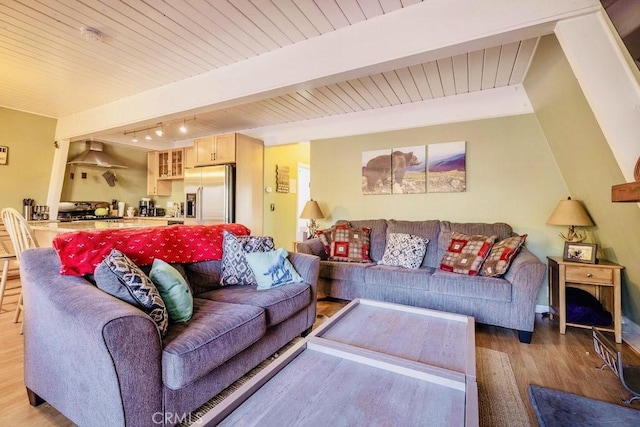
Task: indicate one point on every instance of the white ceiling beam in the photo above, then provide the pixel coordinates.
(420, 33)
(608, 82)
(500, 102)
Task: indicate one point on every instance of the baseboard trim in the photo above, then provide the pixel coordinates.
(542, 308)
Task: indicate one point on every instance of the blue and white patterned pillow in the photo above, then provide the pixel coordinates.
(235, 269)
(273, 269)
(117, 275)
(404, 250)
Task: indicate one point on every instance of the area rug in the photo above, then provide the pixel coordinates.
(499, 400)
(555, 408)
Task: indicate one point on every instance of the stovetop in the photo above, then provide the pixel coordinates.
(71, 216)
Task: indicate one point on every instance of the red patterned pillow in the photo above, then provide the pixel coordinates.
(465, 253)
(501, 255)
(350, 244)
(325, 239)
(80, 252)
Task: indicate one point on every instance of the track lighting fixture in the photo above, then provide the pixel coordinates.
(158, 129)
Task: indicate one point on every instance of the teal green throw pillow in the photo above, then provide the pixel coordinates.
(272, 268)
(173, 289)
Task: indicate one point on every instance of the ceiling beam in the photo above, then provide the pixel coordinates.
(423, 32)
(499, 102)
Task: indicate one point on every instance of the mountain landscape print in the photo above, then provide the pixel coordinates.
(447, 167)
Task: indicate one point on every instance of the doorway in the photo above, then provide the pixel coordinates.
(304, 194)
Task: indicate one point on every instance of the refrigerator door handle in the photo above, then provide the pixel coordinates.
(199, 205)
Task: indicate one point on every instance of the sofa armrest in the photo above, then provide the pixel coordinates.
(526, 275)
(89, 354)
(308, 266)
(312, 247)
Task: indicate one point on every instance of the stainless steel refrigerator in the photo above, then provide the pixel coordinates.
(209, 195)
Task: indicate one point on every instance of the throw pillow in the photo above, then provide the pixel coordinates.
(235, 269)
(465, 253)
(404, 250)
(119, 276)
(325, 239)
(350, 244)
(173, 289)
(273, 269)
(501, 255)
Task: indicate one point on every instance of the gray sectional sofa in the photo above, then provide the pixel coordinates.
(102, 362)
(507, 301)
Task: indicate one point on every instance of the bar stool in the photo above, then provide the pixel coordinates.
(22, 238)
(5, 258)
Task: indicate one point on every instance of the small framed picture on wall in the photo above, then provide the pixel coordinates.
(4, 154)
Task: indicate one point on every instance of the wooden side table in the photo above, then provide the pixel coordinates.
(601, 280)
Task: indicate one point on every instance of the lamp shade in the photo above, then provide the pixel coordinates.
(570, 212)
(311, 211)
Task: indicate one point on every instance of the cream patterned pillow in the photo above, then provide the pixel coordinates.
(404, 250)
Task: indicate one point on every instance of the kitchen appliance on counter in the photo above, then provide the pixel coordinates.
(209, 195)
(84, 211)
(145, 206)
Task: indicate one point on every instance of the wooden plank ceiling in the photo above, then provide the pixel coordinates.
(47, 66)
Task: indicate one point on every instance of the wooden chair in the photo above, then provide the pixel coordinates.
(629, 375)
(22, 238)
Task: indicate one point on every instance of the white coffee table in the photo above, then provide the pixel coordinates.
(372, 363)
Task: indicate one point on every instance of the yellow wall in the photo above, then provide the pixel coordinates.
(511, 177)
(30, 140)
(281, 223)
(586, 163)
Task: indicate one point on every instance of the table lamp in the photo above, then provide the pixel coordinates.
(571, 213)
(312, 212)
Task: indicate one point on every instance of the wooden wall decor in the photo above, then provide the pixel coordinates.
(629, 192)
(282, 179)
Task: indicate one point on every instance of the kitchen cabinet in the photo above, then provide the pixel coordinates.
(215, 150)
(171, 164)
(189, 157)
(155, 186)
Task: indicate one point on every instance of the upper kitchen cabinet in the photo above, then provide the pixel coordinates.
(171, 164)
(155, 186)
(216, 150)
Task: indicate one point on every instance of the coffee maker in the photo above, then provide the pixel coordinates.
(144, 209)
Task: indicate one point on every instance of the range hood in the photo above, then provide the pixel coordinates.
(94, 156)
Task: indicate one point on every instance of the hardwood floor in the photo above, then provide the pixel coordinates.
(564, 362)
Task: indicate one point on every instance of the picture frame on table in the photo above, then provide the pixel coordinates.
(580, 252)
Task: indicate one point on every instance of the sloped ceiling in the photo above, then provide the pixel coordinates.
(62, 57)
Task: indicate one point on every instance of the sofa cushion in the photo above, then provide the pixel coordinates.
(428, 229)
(384, 275)
(378, 236)
(343, 270)
(174, 290)
(272, 269)
(216, 332)
(466, 253)
(490, 288)
(350, 244)
(235, 268)
(118, 276)
(404, 250)
(499, 229)
(204, 275)
(501, 255)
(279, 303)
(325, 237)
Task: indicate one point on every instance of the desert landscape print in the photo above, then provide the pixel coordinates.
(376, 172)
(447, 170)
